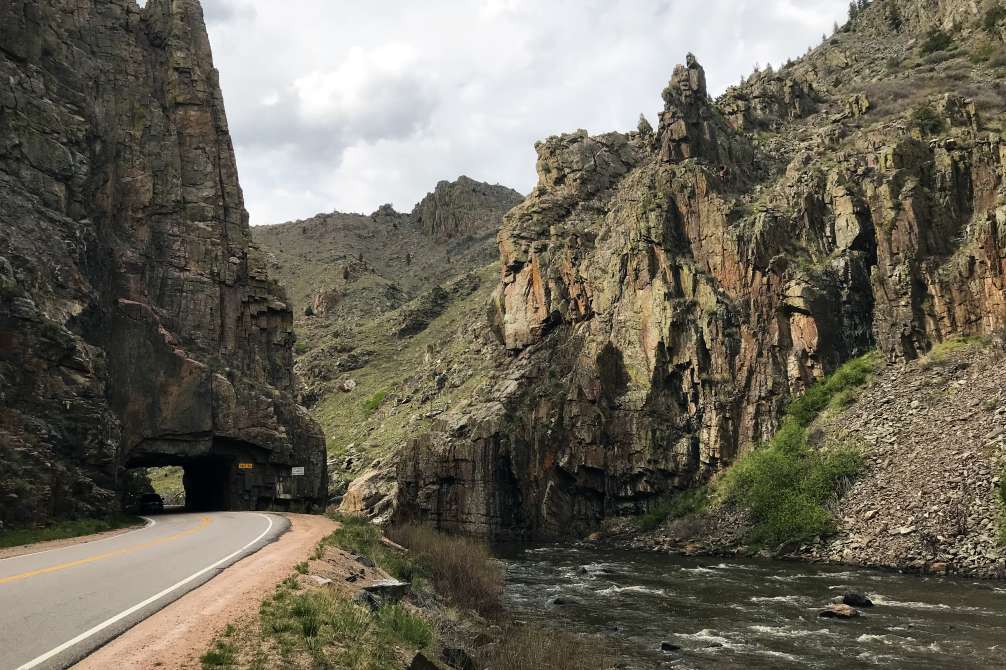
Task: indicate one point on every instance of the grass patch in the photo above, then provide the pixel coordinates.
(222, 655)
(675, 507)
(787, 485)
(461, 569)
(301, 567)
(401, 623)
(359, 536)
(374, 402)
(337, 633)
(66, 529)
(536, 647)
(840, 388)
(942, 352)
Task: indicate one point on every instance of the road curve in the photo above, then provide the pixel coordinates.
(57, 606)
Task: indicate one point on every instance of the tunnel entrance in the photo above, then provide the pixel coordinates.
(207, 485)
(229, 475)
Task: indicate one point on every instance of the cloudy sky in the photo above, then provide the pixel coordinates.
(346, 105)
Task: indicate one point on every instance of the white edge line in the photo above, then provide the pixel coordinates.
(137, 607)
(150, 524)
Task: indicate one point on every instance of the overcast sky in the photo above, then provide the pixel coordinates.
(346, 105)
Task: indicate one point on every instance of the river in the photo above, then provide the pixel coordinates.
(727, 614)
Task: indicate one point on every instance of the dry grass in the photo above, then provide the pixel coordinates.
(460, 568)
(536, 647)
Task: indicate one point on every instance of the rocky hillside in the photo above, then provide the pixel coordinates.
(933, 431)
(390, 311)
(665, 292)
(138, 322)
(356, 266)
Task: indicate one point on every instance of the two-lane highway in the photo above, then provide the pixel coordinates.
(57, 606)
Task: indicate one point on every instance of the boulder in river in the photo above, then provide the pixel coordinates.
(839, 611)
(855, 599)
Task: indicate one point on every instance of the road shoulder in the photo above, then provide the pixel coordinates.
(50, 545)
(178, 634)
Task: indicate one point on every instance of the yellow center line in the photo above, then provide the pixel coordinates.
(203, 522)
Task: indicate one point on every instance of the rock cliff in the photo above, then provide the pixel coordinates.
(663, 293)
(138, 324)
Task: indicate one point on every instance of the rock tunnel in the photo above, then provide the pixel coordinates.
(228, 475)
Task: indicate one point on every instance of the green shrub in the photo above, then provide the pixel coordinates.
(926, 120)
(675, 507)
(935, 40)
(993, 17)
(374, 401)
(787, 485)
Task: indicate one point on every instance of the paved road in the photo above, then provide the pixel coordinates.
(57, 606)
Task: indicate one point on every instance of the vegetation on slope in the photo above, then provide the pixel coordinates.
(788, 484)
(406, 381)
(459, 568)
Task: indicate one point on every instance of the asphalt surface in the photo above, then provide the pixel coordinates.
(58, 606)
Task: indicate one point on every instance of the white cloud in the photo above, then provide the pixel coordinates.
(346, 105)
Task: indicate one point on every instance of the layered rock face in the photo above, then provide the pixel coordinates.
(138, 325)
(663, 294)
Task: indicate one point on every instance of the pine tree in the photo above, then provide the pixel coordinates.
(853, 10)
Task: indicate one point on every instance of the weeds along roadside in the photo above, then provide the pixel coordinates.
(455, 600)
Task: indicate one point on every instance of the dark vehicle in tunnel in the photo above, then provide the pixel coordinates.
(151, 503)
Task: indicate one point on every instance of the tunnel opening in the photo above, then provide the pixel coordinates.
(230, 475)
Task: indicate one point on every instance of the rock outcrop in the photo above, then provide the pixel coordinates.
(138, 324)
(663, 294)
(463, 208)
